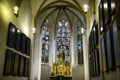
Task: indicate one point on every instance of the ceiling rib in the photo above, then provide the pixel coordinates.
(69, 10)
(56, 23)
(46, 18)
(77, 3)
(78, 7)
(42, 17)
(75, 15)
(42, 4)
(51, 2)
(49, 6)
(83, 19)
(68, 20)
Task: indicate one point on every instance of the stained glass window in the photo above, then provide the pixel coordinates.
(79, 45)
(63, 38)
(45, 42)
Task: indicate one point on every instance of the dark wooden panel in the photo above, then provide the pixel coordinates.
(23, 43)
(106, 11)
(115, 43)
(26, 67)
(90, 66)
(18, 40)
(95, 33)
(16, 64)
(11, 36)
(104, 55)
(97, 62)
(28, 46)
(94, 65)
(8, 62)
(21, 66)
(101, 20)
(108, 48)
(112, 6)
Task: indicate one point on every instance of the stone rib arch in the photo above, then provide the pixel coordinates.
(50, 6)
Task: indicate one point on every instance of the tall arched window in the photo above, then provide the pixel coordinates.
(63, 38)
(45, 43)
(79, 45)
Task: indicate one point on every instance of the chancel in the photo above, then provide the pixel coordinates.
(59, 39)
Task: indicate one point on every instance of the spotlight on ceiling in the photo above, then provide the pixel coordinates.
(85, 8)
(82, 30)
(16, 10)
(34, 29)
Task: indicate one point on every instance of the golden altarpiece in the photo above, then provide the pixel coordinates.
(62, 67)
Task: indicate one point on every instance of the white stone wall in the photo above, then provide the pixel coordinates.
(78, 73)
(23, 22)
(45, 75)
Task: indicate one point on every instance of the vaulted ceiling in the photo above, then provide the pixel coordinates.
(73, 9)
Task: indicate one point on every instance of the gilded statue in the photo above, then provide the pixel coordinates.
(62, 67)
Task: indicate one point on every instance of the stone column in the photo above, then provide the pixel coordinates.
(52, 45)
(36, 65)
(85, 55)
(73, 42)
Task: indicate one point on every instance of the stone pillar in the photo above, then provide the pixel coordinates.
(39, 55)
(73, 46)
(85, 55)
(32, 58)
(52, 45)
(36, 63)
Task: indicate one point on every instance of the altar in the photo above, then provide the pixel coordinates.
(60, 78)
(62, 70)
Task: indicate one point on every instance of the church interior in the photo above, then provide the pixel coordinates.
(59, 40)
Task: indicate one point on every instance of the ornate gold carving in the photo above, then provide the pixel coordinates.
(62, 67)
